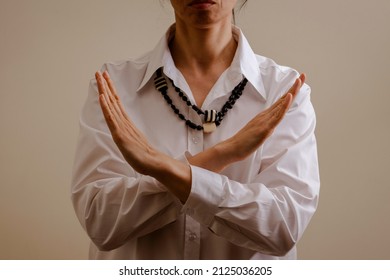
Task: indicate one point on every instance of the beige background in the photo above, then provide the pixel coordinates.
(49, 49)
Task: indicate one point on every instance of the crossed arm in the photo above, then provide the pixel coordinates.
(174, 174)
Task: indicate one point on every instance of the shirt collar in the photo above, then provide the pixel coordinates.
(244, 62)
(159, 57)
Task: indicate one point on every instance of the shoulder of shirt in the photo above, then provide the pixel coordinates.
(139, 61)
(277, 79)
(134, 68)
(269, 65)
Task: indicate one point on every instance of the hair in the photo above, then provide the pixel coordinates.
(239, 9)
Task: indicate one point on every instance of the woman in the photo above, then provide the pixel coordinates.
(199, 149)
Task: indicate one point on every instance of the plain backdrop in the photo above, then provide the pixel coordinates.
(50, 49)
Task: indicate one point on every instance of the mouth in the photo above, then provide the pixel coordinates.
(201, 4)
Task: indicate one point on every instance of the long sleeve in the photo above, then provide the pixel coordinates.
(269, 213)
(112, 202)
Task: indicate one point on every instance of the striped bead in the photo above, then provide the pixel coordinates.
(210, 116)
(160, 83)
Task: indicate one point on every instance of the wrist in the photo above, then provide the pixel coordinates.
(224, 153)
(173, 174)
(215, 158)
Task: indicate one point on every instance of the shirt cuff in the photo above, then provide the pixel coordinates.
(207, 193)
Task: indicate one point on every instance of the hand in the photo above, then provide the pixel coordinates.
(136, 150)
(253, 135)
(130, 141)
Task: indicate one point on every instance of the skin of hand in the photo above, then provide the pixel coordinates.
(174, 174)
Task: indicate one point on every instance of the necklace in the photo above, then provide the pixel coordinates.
(211, 118)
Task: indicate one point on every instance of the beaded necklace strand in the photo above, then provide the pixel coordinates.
(211, 118)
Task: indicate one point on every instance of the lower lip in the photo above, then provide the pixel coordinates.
(201, 6)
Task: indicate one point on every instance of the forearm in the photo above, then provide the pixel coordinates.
(215, 158)
(174, 174)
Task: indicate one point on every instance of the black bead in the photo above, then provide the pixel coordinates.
(192, 125)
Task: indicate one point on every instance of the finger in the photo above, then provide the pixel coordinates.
(103, 86)
(295, 87)
(280, 111)
(109, 94)
(277, 104)
(303, 78)
(112, 98)
(119, 124)
(281, 103)
(107, 103)
(280, 106)
(100, 82)
(110, 84)
(107, 113)
(104, 95)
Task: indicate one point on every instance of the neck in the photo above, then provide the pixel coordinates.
(202, 50)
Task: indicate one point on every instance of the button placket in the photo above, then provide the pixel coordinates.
(195, 137)
(192, 236)
(192, 239)
(192, 227)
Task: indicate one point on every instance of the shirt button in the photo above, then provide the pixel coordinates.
(195, 140)
(192, 236)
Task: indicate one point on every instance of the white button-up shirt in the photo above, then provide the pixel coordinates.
(257, 208)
